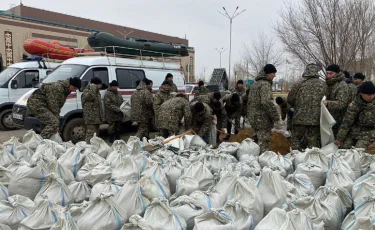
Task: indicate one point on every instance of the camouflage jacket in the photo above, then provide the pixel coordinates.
(353, 91)
(360, 117)
(92, 105)
(233, 111)
(338, 97)
(239, 91)
(173, 87)
(221, 114)
(201, 124)
(159, 98)
(306, 96)
(171, 113)
(142, 104)
(49, 95)
(112, 102)
(261, 111)
(202, 90)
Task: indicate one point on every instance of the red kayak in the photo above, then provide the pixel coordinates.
(51, 50)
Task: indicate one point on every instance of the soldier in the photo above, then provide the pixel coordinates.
(201, 120)
(162, 96)
(358, 126)
(169, 78)
(305, 97)
(142, 108)
(338, 96)
(262, 112)
(171, 113)
(46, 102)
(352, 88)
(202, 90)
(113, 115)
(239, 89)
(233, 107)
(92, 107)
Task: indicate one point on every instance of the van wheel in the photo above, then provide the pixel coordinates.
(6, 122)
(74, 130)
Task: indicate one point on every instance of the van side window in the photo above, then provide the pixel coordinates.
(127, 78)
(28, 78)
(99, 72)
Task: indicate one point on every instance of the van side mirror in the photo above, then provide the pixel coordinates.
(84, 84)
(14, 84)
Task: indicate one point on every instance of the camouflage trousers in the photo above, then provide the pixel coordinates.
(90, 130)
(361, 140)
(114, 127)
(49, 121)
(264, 138)
(305, 136)
(143, 129)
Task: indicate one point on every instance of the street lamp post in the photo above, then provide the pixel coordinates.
(220, 51)
(235, 14)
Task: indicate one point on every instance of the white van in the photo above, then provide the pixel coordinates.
(126, 71)
(16, 80)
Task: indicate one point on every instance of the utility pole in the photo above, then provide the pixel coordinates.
(220, 51)
(235, 14)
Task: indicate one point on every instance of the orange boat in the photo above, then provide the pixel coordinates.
(53, 50)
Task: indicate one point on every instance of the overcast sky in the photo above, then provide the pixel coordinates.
(204, 27)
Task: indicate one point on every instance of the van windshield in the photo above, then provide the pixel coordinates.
(64, 72)
(7, 74)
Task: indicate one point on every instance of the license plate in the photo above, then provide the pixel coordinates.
(17, 116)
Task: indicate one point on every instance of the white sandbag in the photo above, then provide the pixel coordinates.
(187, 208)
(156, 171)
(125, 171)
(333, 194)
(125, 108)
(32, 140)
(3, 192)
(4, 176)
(17, 149)
(160, 216)
(141, 160)
(91, 157)
(152, 188)
(4, 227)
(363, 187)
(366, 161)
(6, 158)
(248, 147)
(64, 222)
(130, 199)
(240, 215)
(42, 217)
(209, 199)
(49, 149)
(76, 210)
(302, 182)
(197, 141)
(102, 213)
(226, 184)
(136, 223)
(213, 136)
(326, 123)
(173, 171)
(80, 190)
(200, 172)
(319, 210)
(215, 162)
(186, 185)
(56, 191)
(292, 156)
(353, 158)
(72, 159)
(214, 220)
(115, 158)
(51, 165)
(330, 149)
(317, 157)
(119, 145)
(338, 178)
(293, 193)
(67, 145)
(101, 147)
(367, 223)
(265, 158)
(15, 209)
(104, 187)
(339, 163)
(363, 210)
(280, 160)
(229, 147)
(99, 173)
(249, 167)
(56, 138)
(84, 172)
(271, 189)
(27, 181)
(277, 219)
(316, 173)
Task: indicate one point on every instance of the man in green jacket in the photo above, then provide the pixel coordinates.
(113, 115)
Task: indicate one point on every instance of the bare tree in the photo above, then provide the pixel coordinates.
(261, 51)
(327, 31)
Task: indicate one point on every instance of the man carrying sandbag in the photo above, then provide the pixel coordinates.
(305, 97)
(113, 115)
(46, 102)
(358, 126)
(262, 112)
(338, 96)
(201, 120)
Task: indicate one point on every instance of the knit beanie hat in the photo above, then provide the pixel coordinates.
(200, 83)
(334, 68)
(269, 68)
(367, 88)
(166, 83)
(359, 76)
(239, 82)
(113, 83)
(75, 81)
(217, 95)
(96, 81)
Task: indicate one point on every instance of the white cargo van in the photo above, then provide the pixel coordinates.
(16, 80)
(126, 71)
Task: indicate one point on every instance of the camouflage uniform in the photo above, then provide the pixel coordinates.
(353, 91)
(233, 112)
(113, 115)
(45, 104)
(239, 91)
(305, 97)
(170, 115)
(262, 112)
(358, 126)
(339, 98)
(201, 123)
(92, 110)
(202, 90)
(159, 98)
(173, 87)
(142, 109)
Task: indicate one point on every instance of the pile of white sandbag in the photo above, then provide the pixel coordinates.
(50, 184)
